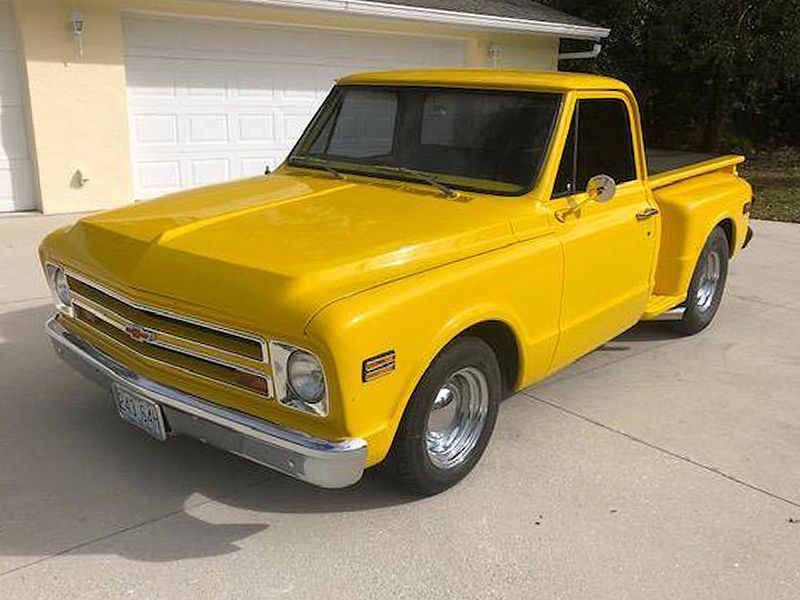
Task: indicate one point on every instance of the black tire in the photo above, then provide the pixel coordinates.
(702, 305)
(409, 460)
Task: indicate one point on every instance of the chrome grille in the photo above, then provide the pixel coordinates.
(209, 351)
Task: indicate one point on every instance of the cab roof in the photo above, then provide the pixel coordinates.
(487, 78)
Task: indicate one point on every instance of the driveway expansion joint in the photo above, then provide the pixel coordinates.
(134, 526)
(662, 450)
(762, 302)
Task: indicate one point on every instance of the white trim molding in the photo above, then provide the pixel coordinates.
(593, 53)
(435, 15)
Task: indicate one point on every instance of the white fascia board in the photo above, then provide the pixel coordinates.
(434, 15)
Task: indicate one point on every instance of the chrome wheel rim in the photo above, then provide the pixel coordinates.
(709, 279)
(456, 418)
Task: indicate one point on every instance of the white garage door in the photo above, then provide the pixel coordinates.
(211, 101)
(16, 178)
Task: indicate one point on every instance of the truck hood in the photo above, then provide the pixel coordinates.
(278, 249)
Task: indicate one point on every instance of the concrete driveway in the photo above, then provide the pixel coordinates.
(656, 467)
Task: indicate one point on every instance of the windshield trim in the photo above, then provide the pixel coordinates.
(352, 167)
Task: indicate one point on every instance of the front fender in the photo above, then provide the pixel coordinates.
(519, 285)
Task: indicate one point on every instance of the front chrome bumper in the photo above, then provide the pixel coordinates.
(317, 461)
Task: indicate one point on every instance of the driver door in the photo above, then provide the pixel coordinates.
(608, 247)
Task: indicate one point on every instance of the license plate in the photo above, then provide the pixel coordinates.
(141, 412)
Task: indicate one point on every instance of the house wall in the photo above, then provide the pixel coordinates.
(78, 107)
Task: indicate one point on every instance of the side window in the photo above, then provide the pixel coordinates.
(603, 145)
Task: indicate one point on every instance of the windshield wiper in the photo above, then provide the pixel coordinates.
(426, 177)
(316, 162)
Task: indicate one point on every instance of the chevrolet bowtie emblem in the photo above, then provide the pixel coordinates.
(139, 334)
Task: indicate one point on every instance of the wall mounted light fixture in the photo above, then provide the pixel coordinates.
(78, 179)
(77, 31)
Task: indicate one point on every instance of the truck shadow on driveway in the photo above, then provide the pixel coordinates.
(650, 331)
(74, 476)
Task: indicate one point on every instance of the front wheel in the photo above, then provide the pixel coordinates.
(707, 285)
(449, 418)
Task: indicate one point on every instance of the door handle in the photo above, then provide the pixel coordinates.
(646, 214)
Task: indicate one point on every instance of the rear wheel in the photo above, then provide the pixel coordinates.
(449, 418)
(707, 285)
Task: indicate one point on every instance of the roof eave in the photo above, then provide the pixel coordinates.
(434, 15)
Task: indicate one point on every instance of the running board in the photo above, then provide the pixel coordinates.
(673, 314)
(664, 308)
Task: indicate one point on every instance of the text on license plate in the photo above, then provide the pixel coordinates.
(140, 411)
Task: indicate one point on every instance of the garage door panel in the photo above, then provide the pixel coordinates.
(161, 35)
(296, 86)
(157, 176)
(9, 71)
(208, 171)
(207, 129)
(16, 167)
(256, 128)
(252, 83)
(16, 185)
(203, 110)
(8, 40)
(151, 80)
(161, 177)
(155, 130)
(250, 166)
(13, 133)
(293, 124)
(203, 82)
(167, 38)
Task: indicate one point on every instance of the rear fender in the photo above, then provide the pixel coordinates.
(690, 210)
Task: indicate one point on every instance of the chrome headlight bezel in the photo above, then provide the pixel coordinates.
(56, 277)
(285, 389)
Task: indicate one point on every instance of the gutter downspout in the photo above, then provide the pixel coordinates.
(593, 53)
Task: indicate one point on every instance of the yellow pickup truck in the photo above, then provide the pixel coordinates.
(435, 241)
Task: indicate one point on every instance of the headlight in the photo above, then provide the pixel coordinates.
(299, 378)
(305, 376)
(57, 279)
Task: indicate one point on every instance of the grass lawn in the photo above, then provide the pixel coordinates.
(775, 177)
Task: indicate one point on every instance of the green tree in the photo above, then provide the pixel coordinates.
(705, 71)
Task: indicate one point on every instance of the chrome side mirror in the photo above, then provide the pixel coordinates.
(601, 188)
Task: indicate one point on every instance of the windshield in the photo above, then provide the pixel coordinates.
(480, 140)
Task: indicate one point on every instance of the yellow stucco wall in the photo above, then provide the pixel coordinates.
(78, 109)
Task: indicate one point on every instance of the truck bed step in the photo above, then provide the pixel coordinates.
(663, 308)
